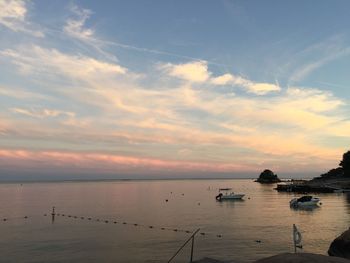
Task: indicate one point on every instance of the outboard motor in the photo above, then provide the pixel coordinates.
(218, 197)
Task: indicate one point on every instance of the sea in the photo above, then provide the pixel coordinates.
(149, 220)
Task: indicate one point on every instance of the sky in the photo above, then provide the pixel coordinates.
(172, 89)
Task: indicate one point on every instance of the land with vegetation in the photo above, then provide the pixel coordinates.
(335, 180)
(268, 177)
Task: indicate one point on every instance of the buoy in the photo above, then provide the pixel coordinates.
(124, 223)
(135, 224)
(25, 217)
(218, 235)
(150, 226)
(258, 241)
(115, 222)
(162, 228)
(175, 230)
(166, 200)
(188, 231)
(4, 219)
(62, 214)
(106, 221)
(202, 234)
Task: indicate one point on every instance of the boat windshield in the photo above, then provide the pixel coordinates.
(305, 198)
(225, 189)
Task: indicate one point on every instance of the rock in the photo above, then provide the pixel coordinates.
(301, 258)
(268, 177)
(340, 247)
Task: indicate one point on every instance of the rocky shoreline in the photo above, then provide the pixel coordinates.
(317, 185)
(336, 180)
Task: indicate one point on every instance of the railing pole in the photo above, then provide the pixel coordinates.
(177, 252)
(192, 249)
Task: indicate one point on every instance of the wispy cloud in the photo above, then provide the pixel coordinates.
(20, 93)
(35, 59)
(307, 69)
(317, 55)
(181, 116)
(13, 16)
(251, 86)
(42, 113)
(197, 72)
(76, 27)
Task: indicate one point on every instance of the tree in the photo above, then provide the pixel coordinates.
(345, 163)
(336, 172)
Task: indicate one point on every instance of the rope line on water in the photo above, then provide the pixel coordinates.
(5, 219)
(123, 222)
(53, 215)
(24, 217)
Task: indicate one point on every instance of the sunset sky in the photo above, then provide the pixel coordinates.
(159, 89)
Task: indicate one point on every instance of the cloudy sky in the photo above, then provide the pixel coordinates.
(139, 89)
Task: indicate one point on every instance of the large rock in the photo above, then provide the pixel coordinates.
(302, 258)
(268, 177)
(340, 247)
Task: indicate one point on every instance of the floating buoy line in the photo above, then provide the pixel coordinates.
(123, 222)
(54, 215)
(5, 219)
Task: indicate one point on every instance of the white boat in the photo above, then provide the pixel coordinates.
(304, 201)
(228, 194)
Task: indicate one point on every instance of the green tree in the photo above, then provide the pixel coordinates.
(345, 163)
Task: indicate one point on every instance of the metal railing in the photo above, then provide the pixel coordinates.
(188, 240)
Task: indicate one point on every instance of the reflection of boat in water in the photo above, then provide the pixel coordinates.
(340, 190)
(228, 194)
(304, 202)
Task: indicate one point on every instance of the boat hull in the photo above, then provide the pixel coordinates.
(311, 203)
(232, 197)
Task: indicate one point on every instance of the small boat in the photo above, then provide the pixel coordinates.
(304, 201)
(228, 194)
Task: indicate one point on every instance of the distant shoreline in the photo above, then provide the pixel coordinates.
(124, 180)
(117, 180)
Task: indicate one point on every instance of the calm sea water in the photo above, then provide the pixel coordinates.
(263, 216)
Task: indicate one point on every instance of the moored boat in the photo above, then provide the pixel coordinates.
(228, 194)
(304, 201)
